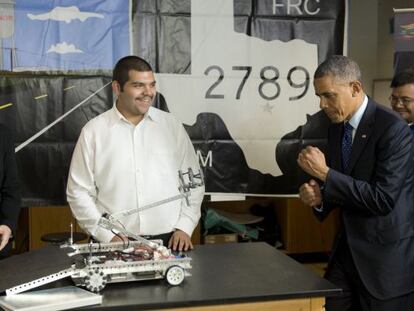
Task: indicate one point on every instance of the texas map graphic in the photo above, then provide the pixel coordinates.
(261, 90)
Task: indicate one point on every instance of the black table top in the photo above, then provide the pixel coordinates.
(223, 274)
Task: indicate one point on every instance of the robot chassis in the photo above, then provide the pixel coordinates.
(100, 268)
(97, 264)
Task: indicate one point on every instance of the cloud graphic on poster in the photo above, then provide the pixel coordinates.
(65, 14)
(63, 48)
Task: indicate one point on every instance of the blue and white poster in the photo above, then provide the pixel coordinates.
(65, 35)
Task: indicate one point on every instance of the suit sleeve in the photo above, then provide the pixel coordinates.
(394, 153)
(10, 193)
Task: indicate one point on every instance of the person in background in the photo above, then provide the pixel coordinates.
(368, 173)
(402, 97)
(9, 192)
(129, 157)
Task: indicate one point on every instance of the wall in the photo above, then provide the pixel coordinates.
(371, 42)
(385, 46)
(363, 38)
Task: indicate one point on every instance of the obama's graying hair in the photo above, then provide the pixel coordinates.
(339, 68)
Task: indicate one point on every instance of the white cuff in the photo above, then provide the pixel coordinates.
(318, 208)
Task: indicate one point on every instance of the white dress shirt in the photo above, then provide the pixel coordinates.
(117, 166)
(356, 118)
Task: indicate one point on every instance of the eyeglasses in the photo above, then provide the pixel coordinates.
(405, 101)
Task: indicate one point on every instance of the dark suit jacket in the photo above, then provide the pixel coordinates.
(9, 188)
(376, 196)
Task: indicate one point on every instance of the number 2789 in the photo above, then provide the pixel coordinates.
(269, 76)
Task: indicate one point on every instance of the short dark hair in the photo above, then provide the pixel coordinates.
(403, 77)
(127, 63)
(339, 67)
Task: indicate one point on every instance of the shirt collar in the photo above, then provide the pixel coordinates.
(116, 116)
(356, 118)
(153, 114)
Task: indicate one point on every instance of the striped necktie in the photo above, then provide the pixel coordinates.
(346, 145)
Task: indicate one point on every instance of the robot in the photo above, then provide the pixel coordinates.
(99, 264)
(134, 260)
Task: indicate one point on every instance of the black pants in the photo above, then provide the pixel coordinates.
(5, 252)
(165, 237)
(343, 273)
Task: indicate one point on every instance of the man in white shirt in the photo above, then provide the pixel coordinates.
(402, 97)
(129, 157)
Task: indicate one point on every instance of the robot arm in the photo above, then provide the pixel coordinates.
(111, 222)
